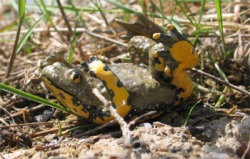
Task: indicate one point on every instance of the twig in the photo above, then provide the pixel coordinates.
(104, 38)
(40, 106)
(43, 133)
(125, 132)
(93, 131)
(221, 81)
(13, 53)
(8, 114)
(27, 124)
(134, 121)
(124, 126)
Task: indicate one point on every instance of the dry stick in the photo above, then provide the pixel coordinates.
(40, 106)
(134, 121)
(13, 53)
(104, 38)
(64, 17)
(221, 81)
(125, 132)
(27, 124)
(53, 130)
(4, 122)
(9, 115)
(93, 131)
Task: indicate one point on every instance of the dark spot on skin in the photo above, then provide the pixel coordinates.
(170, 61)
(104, 83)
(76, 101)
(119, 84)
(111, 92)
(94, 115)
(156, 60)
(95, 112)
(106, 68)
(129, 100)
(181, 99)
(176, 98)
(98, 112)
(85, 64)
(107, 113)
(92, 74)
(179, 90)
(74, 110)
(86, 69)
(61, 96)
(161, 76)
(84, 110)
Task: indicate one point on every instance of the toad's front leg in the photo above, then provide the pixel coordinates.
(119, 95)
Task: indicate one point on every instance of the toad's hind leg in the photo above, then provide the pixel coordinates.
(118, 93)
(182, 52)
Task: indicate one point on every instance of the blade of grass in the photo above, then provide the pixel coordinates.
(73, 45)
(21, 8)
(219, 15)
(172, 19)
(223, 76)
(143, 6)
(184, 11)
(121, 6)
(32, 97)
(27, 35)
(185, 124)
(158, 9)
(162, 14)
(78, 14)
(8, 26)
(21, 13)
(203, 2)
(100, 10)
(217, 67)
(70, 9)
(47, 14)
(198, 27)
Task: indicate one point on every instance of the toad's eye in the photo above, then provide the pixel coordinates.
(75, 77)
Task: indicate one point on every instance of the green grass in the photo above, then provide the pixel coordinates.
(29, 96)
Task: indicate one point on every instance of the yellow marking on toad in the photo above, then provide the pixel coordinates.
(119, 94)
(183, 52)
(170, 26)
(159, 66)
(156, 35)
(65, 99)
